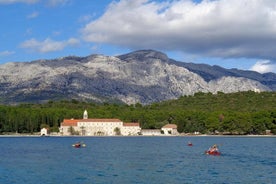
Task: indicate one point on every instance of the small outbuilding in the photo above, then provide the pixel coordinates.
(44, 132)
(170, 129)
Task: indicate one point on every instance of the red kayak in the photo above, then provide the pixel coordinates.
(77, 145)
(215, 153)
(190, 144)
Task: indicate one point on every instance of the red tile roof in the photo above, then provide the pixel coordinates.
(99, 120)
(69, 122)
(170, 126)
(74, 122)
(131, 124)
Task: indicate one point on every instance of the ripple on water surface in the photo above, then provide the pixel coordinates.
(136, 160)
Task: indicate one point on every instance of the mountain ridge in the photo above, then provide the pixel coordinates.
(143, 76)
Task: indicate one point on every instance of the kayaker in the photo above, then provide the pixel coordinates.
(213, 148)
(78, 144)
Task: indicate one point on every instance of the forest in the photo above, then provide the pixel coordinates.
(240, 113)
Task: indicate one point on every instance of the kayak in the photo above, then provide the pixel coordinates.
(190, 144)
(78, 145)
(215, 153)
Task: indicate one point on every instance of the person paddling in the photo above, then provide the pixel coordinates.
(214, 148)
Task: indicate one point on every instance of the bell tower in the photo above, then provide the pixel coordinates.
(85, 114)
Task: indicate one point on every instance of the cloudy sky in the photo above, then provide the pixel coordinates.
(230, 33)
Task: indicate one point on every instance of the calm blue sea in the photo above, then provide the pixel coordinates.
(144, 160)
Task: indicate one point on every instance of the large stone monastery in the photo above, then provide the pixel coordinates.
(98, 127)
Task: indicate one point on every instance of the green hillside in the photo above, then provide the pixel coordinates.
(236, 113)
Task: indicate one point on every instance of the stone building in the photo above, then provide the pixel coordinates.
(44, 132)
(98, 127)
(170, 129)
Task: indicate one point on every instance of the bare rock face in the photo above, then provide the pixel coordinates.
(144, 76)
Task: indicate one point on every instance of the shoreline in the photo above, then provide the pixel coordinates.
(186, 135)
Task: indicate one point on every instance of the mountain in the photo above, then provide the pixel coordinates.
(143, 76)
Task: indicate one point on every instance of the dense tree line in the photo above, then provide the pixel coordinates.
(235, 113)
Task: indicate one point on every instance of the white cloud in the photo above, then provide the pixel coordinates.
(264, 66)
(48, 45)
(220, 28)
(6, 53)
(72, 41)
(18, 1)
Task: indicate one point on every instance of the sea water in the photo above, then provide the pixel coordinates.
(144, 160)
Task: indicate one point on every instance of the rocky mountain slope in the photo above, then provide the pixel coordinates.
(143, 76)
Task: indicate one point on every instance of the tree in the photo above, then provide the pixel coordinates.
(117, 131)
(71, 130)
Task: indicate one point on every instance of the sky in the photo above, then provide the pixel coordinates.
(230, 33)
